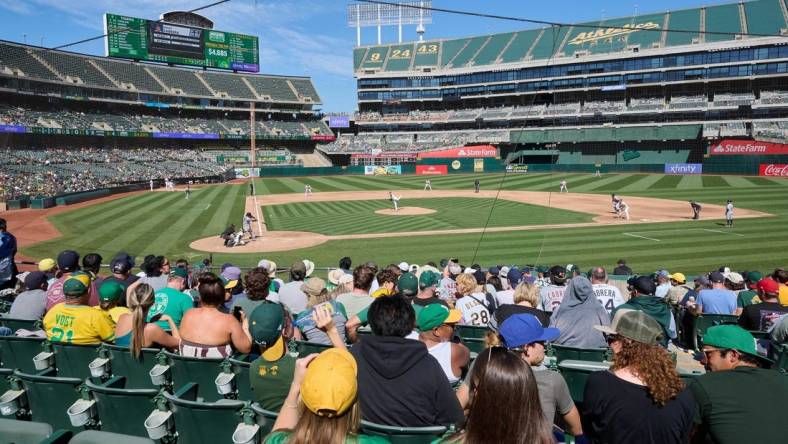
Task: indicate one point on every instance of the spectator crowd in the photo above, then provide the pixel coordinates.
(395, 353)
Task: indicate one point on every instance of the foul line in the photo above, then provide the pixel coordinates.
(677, 230)
(642, 237)
(722, 232)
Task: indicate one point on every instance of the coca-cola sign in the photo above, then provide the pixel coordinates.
(774, 169)
(747, 147)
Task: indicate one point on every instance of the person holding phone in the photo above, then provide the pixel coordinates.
(134, 332)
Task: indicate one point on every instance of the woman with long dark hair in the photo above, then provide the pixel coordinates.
(504, 404)
(641, 399)
(133, 331)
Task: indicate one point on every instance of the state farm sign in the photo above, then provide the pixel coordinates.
(774, 169)
(747, 147)
(466, 151)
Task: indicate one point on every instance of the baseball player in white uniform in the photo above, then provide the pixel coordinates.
(563, 188)
(307, 190)
(616, 204)
(151, 184)
(729, 214)
(427, 185)
(395, 200)
(623, 210)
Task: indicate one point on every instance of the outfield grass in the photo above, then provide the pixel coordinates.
(166, 223)
(351, 217)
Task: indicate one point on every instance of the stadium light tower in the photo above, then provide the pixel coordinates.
(403, 13)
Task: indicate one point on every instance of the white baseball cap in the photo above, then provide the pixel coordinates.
(404, 266)
(310, 267)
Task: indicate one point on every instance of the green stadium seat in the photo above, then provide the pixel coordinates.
(121, 409)
(186, 372)
(122, 363)
(306, 348)
(688, 19)
(722, 18)
(562, 353)
(764, 17)
(4, 383)
(203, 422)
(97, 437)
(467, 53)
(404, 435)
(27, 432)
(702, 323)
(17, 352)
(576, 372)
(49, 398)
(265, 418)
(17, 324)
(780, 356)
(492, 50)
(241, 385)
(519, 47)
(72, 360)
(473, 337)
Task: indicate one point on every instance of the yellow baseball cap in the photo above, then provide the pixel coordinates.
(678, 277)
(329, 387)
(46, 264)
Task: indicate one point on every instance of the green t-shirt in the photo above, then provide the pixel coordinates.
(746, 404)
(171, 302)
(270, 381)
(282, 437)
(747, 297)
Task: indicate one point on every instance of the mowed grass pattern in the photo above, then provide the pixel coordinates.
(351, 217)
(164, 223)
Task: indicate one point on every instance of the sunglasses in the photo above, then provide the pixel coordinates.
(611, 338)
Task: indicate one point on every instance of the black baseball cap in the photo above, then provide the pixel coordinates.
(643, 284)
(68, 261)
(3, 223)
(34, 279)
(717, 277)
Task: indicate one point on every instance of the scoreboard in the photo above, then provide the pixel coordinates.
(157, 41)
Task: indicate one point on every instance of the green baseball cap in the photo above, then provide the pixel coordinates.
(111, 291)
(266, 323)
(754, 276)
(428, 279)
(434, 315)
(635, 325)
(731, 337)
(179, 272)
(76, 286)
(542, 269)
(408, 284)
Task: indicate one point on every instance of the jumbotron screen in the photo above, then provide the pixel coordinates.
(141, 39)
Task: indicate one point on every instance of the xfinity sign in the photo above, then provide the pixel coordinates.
(683, 168)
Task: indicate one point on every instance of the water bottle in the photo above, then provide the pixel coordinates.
(307, 321)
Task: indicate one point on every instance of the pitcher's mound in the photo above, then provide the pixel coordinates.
(406, 211)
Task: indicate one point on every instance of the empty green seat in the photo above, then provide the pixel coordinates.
(72, 360)
(121, 409)
(27, 432)
(49, 398)
(702, 323)
(4, 374)
(306, 348)
(562, 352)
(136, 371)
(576, 372)
(780, 356)
(409, 435)
(204, 422)
(264, 418)
(17, 352)
(186, 372)
(97, 437)
(243, 388)
(471, 331)
(19, 324)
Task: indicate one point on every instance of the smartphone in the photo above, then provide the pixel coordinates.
(156, 318)
(237, 313)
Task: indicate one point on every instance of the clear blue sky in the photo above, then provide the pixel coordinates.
(302, 37)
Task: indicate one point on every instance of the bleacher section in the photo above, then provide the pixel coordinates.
(58, 66)
(620, 34)
(723, 100)
(412, 142)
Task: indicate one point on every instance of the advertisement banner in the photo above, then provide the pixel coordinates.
(244, 173)
(380, 170)
(185, 136)
(339, 121)
(774, 170)
(747, 147)
(517, 169)
(323, 138)
(683, 168)
(12, 129)
(478, 165)
(465, 151)
(432, 170)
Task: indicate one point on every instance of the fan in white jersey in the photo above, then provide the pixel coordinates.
(609, 295)
(472, 304)
(552, 295)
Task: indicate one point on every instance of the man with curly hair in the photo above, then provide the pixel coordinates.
(641, 399)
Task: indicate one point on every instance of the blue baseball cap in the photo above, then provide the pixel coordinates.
(522, 329)
(514, 276)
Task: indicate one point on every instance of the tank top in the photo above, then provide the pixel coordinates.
(125, 340)
(442, 353)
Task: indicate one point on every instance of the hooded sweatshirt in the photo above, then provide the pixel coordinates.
(655, 307)
(579, 311)
(400, 384)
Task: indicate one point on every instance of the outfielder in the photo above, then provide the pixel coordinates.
(729, 214)
(188, 191)
(427, 185)
(563, 188)
(476, 185)
(395, 200)
(151, 184)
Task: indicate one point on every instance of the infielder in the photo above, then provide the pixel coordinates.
(695, 210)
(395, 200)
(563, 188)
(616, 203)
(476, 185)
(427, 185)
(623, 210)
(729, 214)
(307, 190)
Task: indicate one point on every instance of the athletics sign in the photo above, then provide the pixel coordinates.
(593, 36)
(774, 170)
(747, 147)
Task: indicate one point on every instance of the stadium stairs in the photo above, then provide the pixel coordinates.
(315, 159)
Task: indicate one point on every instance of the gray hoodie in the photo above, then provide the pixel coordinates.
(579, 311)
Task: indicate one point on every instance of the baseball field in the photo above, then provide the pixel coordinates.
(515, 219)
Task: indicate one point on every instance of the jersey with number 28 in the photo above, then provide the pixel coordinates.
(473, 309)
(78, 324)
